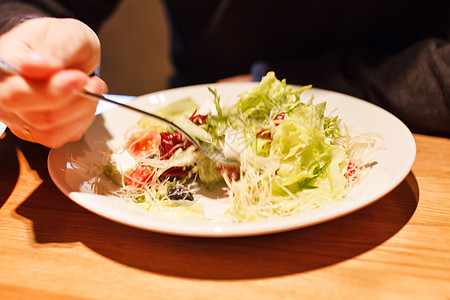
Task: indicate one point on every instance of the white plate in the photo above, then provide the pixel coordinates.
(394, 163)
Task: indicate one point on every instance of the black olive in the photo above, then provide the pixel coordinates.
(179, 192)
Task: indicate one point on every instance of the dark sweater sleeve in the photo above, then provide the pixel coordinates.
(92, 12)
(414, 85)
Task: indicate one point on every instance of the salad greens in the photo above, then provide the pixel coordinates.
(292, 156)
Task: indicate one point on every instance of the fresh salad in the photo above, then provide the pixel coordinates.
(291, 156)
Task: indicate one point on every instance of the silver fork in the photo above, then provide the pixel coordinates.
(208, 148)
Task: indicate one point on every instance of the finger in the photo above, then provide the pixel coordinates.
(31, 65)
(58, 136)
(35, 66)
(46, 120)
(71, 129)
(15, 124)
(66, 85)
(54, 137)
(69, 83)
(20, 95)
(96, 85)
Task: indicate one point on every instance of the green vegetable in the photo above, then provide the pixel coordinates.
(303, 142)
(190, 128)
(181, 108)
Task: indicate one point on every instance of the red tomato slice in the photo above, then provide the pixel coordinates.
(139, 176)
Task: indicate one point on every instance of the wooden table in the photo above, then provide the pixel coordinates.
(397, 248)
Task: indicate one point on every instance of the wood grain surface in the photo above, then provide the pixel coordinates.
(397, 248)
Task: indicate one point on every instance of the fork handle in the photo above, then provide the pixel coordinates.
(7, 68)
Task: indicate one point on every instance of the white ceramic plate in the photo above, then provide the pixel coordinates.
(394, 163)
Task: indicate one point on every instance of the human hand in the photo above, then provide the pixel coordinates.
(54, 58)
